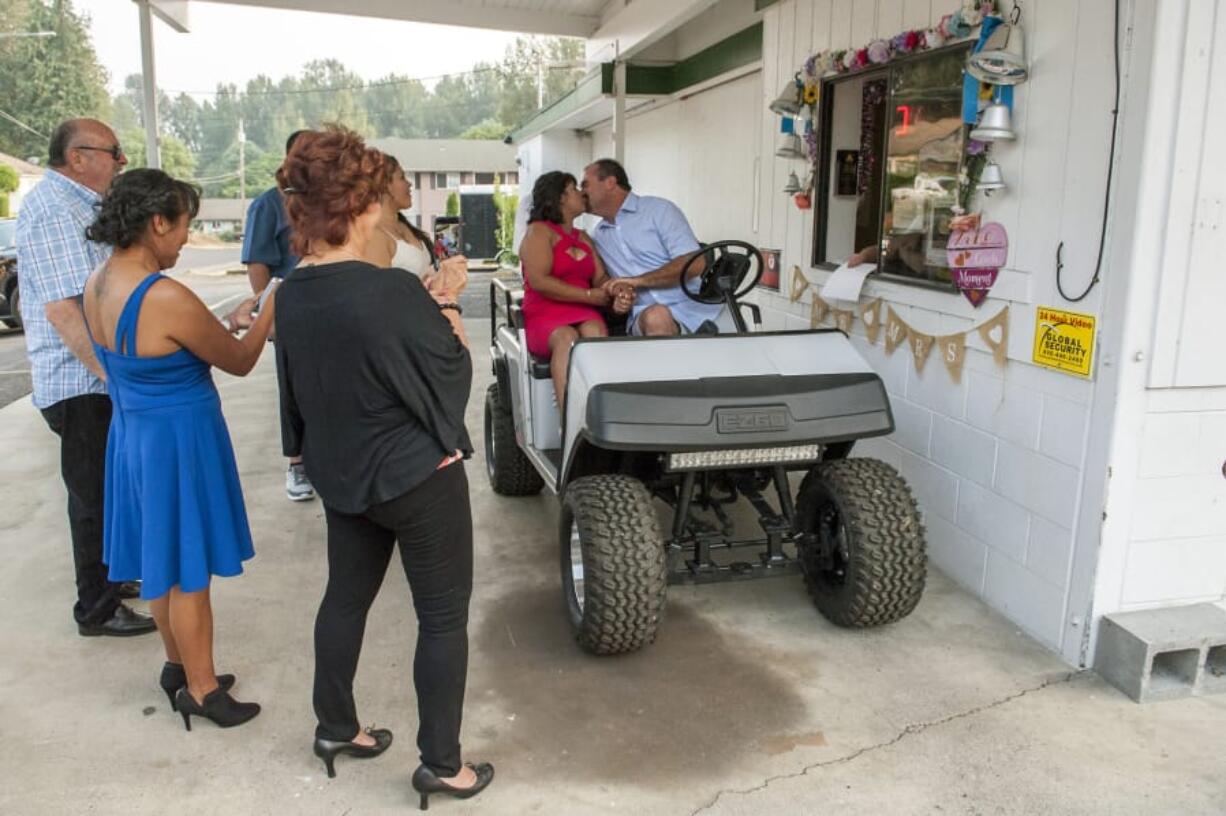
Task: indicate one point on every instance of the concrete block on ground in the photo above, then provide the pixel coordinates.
(1164, 654)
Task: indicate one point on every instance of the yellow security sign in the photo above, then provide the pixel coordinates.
(1064, 340)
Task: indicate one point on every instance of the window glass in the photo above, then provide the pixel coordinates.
(891, 151)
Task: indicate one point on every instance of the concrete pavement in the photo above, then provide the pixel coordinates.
(748, 703)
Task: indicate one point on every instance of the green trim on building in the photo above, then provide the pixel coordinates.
(589, 89)
(758, 5)
(742, 48)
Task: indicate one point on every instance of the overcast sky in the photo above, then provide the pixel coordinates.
(235, 43)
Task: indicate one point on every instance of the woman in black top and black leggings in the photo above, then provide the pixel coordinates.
(375, 377)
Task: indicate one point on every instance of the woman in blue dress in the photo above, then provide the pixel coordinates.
(174, 512)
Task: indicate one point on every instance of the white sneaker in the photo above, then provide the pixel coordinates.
(297, 485)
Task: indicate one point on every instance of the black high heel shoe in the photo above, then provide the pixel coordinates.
(426, 782)
(328, 750)
(174, 677)
(218, 706)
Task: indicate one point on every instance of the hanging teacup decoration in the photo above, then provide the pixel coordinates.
(975, 257)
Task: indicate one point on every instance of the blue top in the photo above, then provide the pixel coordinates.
(647, 233)
(266, 239)
(55, 260)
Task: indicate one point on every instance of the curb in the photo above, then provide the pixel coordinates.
(218, 270)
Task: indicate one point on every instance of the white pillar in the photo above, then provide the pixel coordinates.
(619, 111)
(149, 83)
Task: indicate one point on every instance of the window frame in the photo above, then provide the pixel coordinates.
(824, 147)
(436, 177)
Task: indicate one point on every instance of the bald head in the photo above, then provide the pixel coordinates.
(85, 151)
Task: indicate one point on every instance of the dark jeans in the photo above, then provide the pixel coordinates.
(433, 524)
(82, 423)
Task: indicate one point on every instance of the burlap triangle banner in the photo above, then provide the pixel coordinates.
(895, 330)
(995, 335)
(844, 320)
(921, 347)
(819, 312)
(799, 283)
(871, 315)
(952, 348)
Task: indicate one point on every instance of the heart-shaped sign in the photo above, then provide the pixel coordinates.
(975, 257)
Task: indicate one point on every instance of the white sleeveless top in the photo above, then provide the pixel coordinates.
(412, 257)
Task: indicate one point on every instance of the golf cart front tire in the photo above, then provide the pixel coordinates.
(510, 472)
(612, 559)
(865, 512)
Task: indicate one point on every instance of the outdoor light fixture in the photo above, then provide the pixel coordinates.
(991, 180)
(790, 147)
(997, 123)
(1002, 60)
(744, 457)
(793, 185)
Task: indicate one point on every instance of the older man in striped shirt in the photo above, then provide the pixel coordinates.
(54, 259)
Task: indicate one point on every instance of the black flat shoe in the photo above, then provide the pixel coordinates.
(174, 678)
(128, 590)
(124, 623)
(328, 750)
(426, 783)
(218, 706)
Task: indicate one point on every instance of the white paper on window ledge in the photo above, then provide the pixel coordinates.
(846, 282)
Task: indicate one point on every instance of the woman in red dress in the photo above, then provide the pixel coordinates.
(563, 276)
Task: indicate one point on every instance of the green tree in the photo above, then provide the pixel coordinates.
(9, 181)
(177, 160)
(544, 67)
(396, 106)
(45, 80)
(507, 207)
(453, 204)
(489, 129)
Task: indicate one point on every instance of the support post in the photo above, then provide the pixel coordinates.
(153, 156)
(619, 110)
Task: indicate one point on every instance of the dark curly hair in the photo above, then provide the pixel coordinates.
(133, 199)
(547, 196)
(329, 178)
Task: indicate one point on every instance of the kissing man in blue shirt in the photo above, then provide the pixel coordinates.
(645, 242)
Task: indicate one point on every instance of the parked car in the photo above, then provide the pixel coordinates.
(10, 299)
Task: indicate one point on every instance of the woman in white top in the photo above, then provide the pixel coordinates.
(397, 243)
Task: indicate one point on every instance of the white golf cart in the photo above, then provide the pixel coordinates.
(700, 422)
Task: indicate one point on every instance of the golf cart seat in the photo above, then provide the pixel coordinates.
(539, 367)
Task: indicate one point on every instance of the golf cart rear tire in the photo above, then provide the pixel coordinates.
(624, 574)
(510, 472)
(13, 321)
(882, 577)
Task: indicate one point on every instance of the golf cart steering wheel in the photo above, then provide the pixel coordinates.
(728, 265)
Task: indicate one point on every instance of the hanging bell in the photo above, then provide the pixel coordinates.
(788, 101)
(991, 180)
(790, 147)
(793, 185)
(997, 123)
(1002, 60)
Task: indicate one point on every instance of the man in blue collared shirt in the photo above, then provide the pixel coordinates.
(267, 254)
(54, 260)
(644, 242)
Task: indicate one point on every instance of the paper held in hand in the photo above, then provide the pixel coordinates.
(846, 282)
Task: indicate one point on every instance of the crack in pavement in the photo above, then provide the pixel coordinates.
(910, 730)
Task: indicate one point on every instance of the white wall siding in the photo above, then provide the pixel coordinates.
(995, 460)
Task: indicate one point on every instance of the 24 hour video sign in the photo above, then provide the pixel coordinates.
(1064, 340)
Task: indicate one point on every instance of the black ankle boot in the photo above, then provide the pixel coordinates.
(217, 706)
(426, 782)
(174, 677)
(327, 750)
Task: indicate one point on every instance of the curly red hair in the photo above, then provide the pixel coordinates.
(329, 178)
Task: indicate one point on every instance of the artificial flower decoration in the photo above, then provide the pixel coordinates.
(811, 92)
(974, 147)
(932, 38)
(878, 51)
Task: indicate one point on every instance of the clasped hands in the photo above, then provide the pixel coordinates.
(618, 294)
